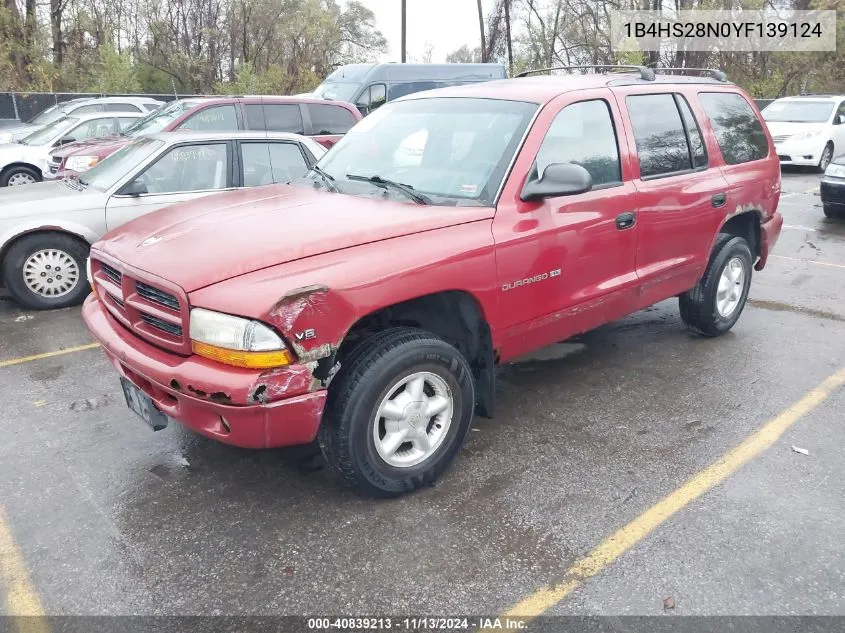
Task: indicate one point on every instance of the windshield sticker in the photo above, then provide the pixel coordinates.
(469, 188)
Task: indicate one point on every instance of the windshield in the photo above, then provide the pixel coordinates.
(160, 118)
(49, 115)
(798, 111)
(336, 90)
(114, 167)
(452, 150)
(48, 134)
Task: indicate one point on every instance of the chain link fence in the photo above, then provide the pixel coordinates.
(22, 106)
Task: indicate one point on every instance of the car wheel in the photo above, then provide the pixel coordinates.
(827, 156)
(398, 412)
(20, 175)
(45, 271)
(832, 212)
(714, 305)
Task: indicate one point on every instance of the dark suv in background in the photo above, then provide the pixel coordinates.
(325, 121)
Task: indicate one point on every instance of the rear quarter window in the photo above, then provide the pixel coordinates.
(330, 119)
(738, 131)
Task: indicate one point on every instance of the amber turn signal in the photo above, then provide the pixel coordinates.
(237, 358)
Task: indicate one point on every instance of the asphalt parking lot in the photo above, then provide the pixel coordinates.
(98, 515)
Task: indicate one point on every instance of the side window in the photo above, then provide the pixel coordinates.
(122, 107)
(659, 134)
(583, 133)
(89, 109)
(329, 119)
(738, 131)
(220, 118)
(123, 123)
(696, 141)
(839, 119)
(95, 128)
(274, 117)
(184, 168)
(373, 97)
(267, 163)
(410, 87)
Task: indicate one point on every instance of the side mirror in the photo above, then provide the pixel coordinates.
(64, 141)
(840, 119)
(363, 109)
(134, 189)
(557, 179)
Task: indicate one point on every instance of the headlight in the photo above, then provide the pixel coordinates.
(81, 163)
(806, 135)
(835, 170)
(236, 341)
(5, 137)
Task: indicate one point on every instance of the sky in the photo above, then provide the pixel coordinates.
(445, 24)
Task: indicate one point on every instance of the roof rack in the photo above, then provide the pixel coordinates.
(718, 75)
(645, 73)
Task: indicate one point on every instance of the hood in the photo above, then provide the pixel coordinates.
(214, 238)
(788, 128)
(98, 146)
(18, 131)
(46, 198)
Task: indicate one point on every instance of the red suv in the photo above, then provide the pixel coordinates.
(451, 231)
(325, 121)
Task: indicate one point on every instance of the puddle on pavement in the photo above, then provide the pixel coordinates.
(787, 307)
(558, 351)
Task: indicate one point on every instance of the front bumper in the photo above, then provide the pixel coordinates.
(801, 153)
(832, 191)
(769, 234)
(199, 393)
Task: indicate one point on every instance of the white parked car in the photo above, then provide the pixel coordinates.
(807, 130)
(47, 228)
(25, 161)
(78, 107)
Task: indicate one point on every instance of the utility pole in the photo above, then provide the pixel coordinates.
(481, 28)
(404, 28)
(508, 35)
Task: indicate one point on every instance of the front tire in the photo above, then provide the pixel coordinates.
(714, 305)
(834, 213)
(398, 412)
(19, 175)
(827, 156)
(46, 271)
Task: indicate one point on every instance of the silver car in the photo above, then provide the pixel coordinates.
(46, 228)
(78, 107)
(26, 161)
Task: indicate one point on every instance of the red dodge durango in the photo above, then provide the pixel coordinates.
(367, 305)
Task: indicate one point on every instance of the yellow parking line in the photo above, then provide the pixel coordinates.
(628, 536)
(808, 261)
(21, 599)
(67, 350)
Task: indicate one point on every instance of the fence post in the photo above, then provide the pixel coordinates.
(15, 106)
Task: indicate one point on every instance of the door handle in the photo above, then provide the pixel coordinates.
(626, 220)
(720, 199)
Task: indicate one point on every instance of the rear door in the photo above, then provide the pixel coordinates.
(274, 117)
(328, 123)
(270, 162)
(682, 193)
(183, 172)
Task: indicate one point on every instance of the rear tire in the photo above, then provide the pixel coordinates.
(384, 395)
(46, 271)
(714, 305)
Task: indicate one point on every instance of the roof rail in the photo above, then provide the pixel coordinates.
(718, 75)
(645, 73)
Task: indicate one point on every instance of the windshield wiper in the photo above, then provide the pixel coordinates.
(328, 179)
(384, 183)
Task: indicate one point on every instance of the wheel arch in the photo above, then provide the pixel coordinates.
(20, 163)
(748, 225)
(457, 316)
(9, 239)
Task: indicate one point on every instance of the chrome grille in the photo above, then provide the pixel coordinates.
(157, 296)
(159, 324)
(117, 300)
(111, 273)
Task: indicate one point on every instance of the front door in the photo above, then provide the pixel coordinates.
(183, 172)
(567, 264)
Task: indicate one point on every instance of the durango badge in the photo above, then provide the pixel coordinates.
(531, 280)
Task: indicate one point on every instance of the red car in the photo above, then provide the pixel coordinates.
(325, 121)
(451, 231)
